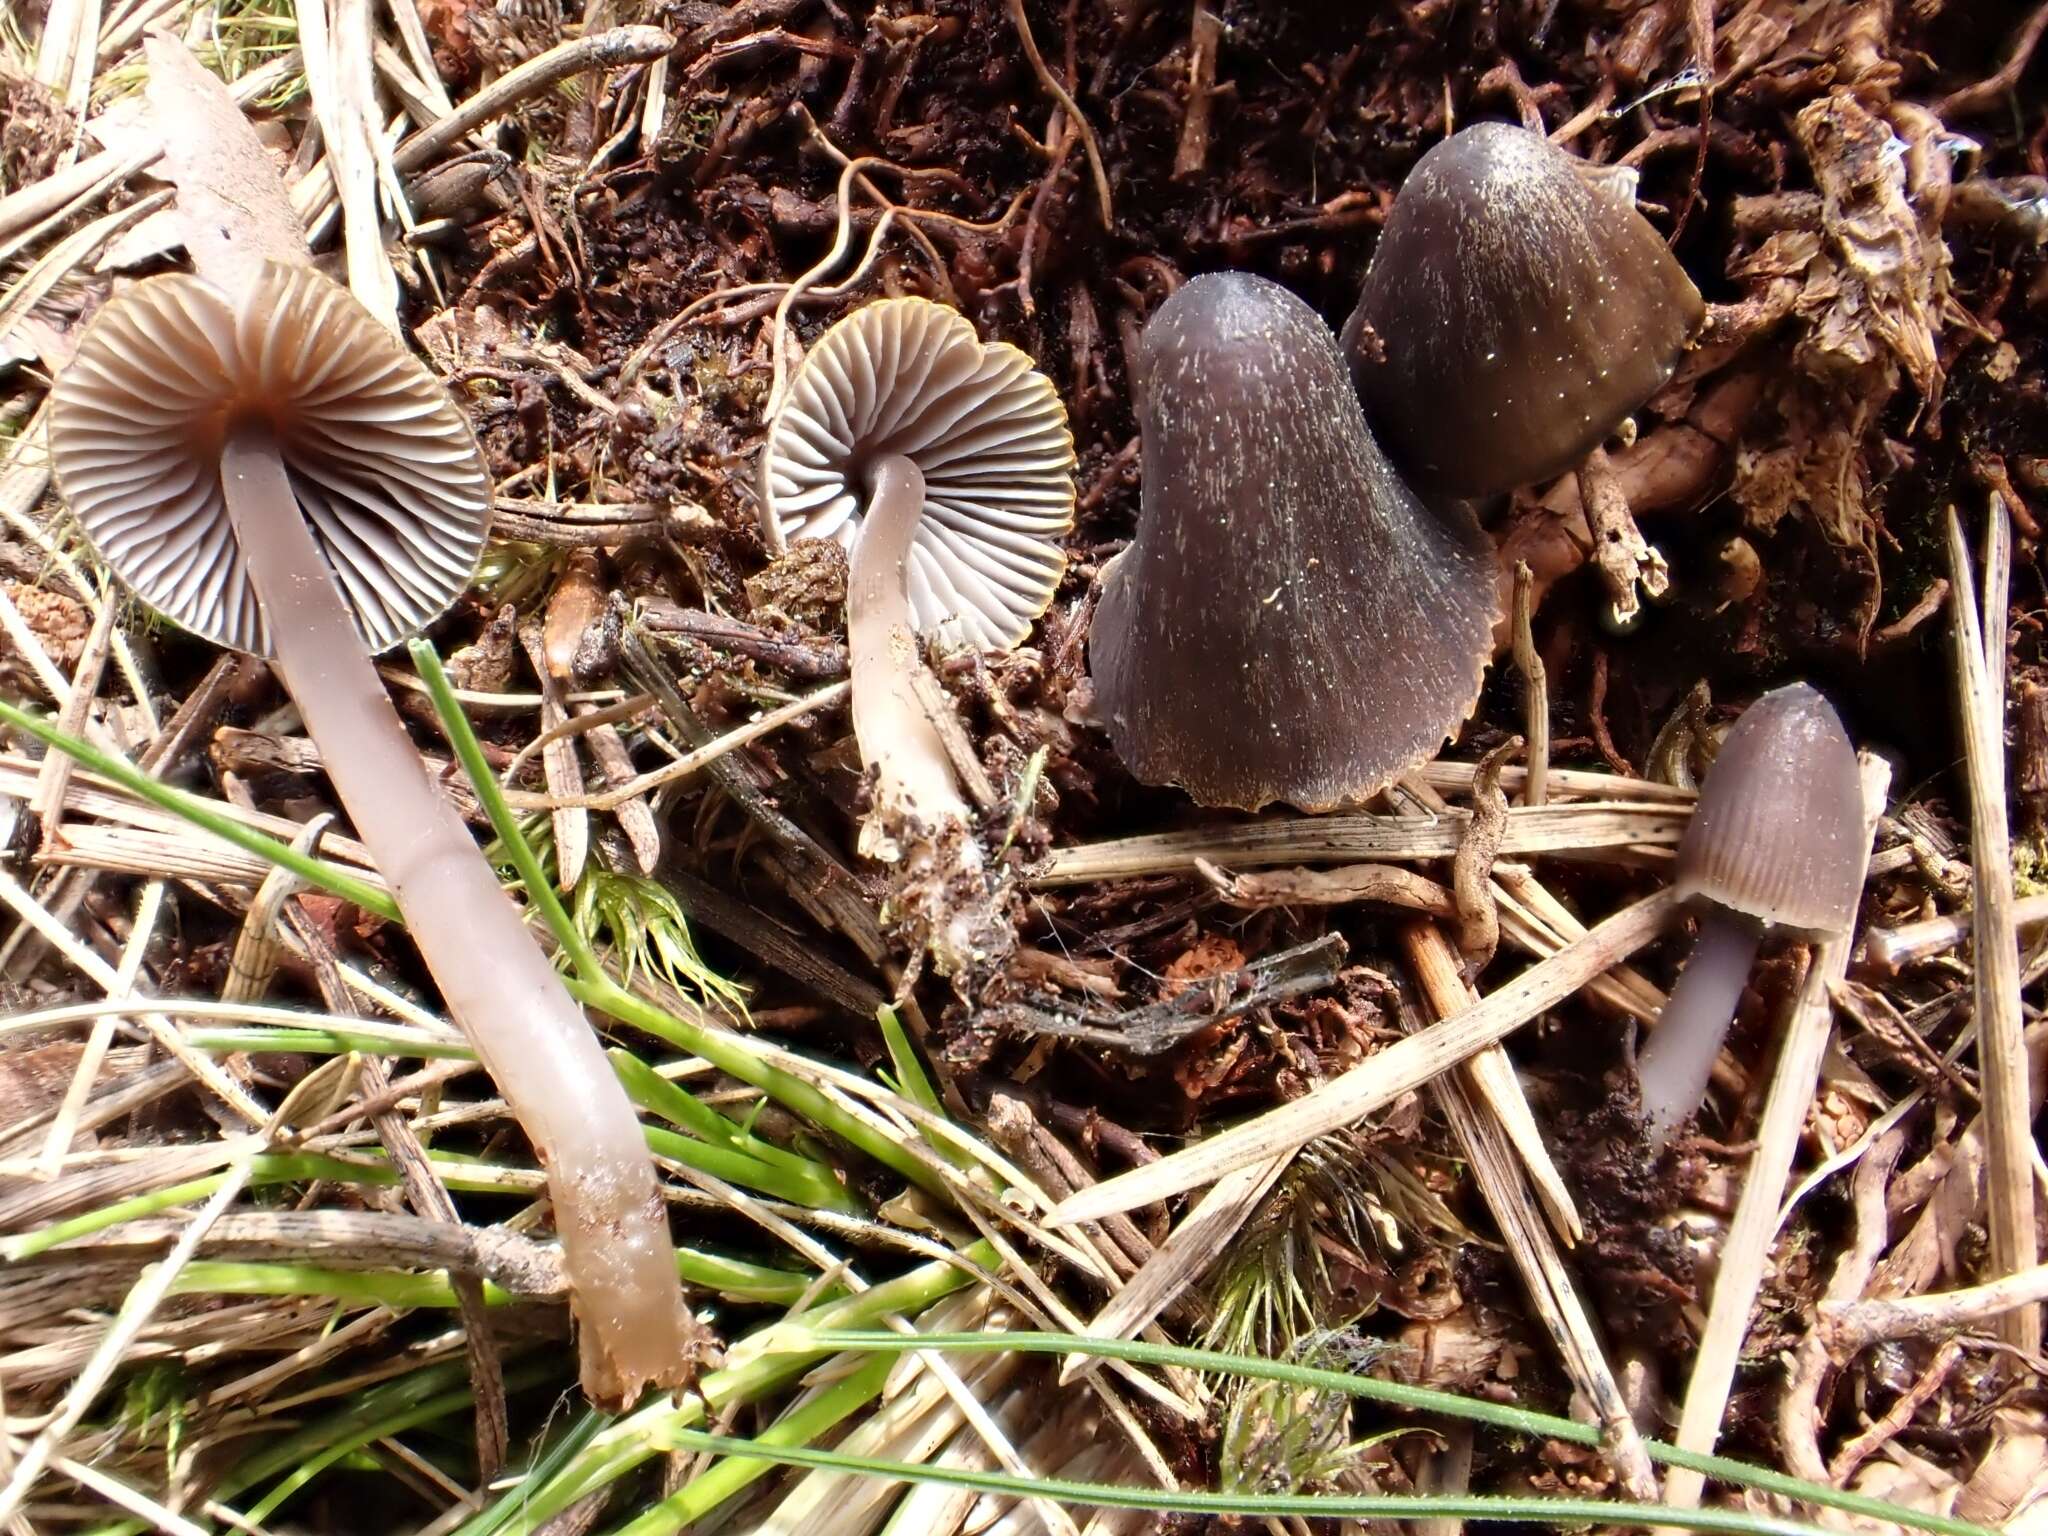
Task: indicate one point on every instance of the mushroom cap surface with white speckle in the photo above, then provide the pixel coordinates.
(380, 459)
(1290, 623)
(986, 429)
(1517, 314)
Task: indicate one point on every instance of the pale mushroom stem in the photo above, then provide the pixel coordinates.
(913, 776)
(528, 1032)
(1675, 1063)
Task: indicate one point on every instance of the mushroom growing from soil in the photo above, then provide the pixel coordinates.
(1290, 623)
(1775, 844)
(946, 467)
(274, 471)
(1516, 310)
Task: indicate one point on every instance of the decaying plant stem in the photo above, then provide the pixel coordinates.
(1627, 561)
(1528, 1240)
(1535, 687)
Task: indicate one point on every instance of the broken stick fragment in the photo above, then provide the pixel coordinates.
(1626, 560)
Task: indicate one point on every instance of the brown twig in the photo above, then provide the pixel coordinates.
(1535, 688)
(1192, 153)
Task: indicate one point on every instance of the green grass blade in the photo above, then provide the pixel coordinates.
(802, 1424)
(331, 878)
(733, 1055)
(470, 753)
(1420, 1399)
(1558, 1514)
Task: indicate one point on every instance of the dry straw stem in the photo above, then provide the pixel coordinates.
(1575, 828)
(64, 1125)
(108, 980)
(1402, 1066)
(47, 803)
(1891, 950)
(1848, 1326)
(90, 795)
(24, 476)
(689, 763)
(136, 1311)
(336, 49)
(1979, 652)
(1487, 1144)
(1535, 920)
(1185, 1256)
(1746, 1252)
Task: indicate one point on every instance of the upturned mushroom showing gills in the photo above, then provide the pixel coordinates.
(1290, 623)
(987, 434)
(1512, 316)
(274, 471)
(1774, 846)
(946, 467)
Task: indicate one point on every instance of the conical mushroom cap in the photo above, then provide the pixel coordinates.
(1518, 314)
(1290, 622)
(1778, 832)
(985, 428)
(381, 461)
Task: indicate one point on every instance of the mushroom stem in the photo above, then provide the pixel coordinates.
(1674, 1065)
(529, 1034)
(913, 777)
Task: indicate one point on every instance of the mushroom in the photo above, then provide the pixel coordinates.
(986, 431)
(1517, 309)
(1775, 844)
(274, 471)
(1290, 623)
(946, 468)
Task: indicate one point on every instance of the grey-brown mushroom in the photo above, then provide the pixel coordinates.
(1775, 845)
(274, 471)
(1516, 310)
(1290, 623)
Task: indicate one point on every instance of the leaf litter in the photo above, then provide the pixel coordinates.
(609, 233)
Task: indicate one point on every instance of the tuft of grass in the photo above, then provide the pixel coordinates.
(1281, 1437)
(650, 934)
(1276, 1287)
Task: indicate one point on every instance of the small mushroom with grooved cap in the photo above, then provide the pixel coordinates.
(1513, 314)
(989, 438)
(946, 467)
(1775, 845)
(273, 470)
(1290, 623)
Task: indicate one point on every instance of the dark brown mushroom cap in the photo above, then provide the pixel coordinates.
(1517, 315)
(379, 456)
(1290, 623)
(1778, 833)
